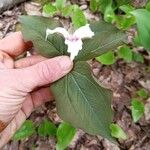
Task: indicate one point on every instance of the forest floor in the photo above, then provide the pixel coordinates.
(124, 79)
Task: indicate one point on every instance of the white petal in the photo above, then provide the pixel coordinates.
(73, 47)
(84, 32)
(60, 30)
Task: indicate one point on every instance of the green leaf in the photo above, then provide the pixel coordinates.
(122, 2)
(65, 134)
(138, 57)
(47, 128)
(142, 20)
(126, 53)
(125, 21)
(148, 6)
(78, 18)
(93, 5)
(60, 4)
(107, 37)
(103, 4)
(117, 132)
(82, 102)
(137, 108)
(126, 8)
(143, 93)
(107, 58)
(34, 29)
(137, 41)
(27, 129)
(109, 15)
(49, 9)
(42, 2)
(67, 10)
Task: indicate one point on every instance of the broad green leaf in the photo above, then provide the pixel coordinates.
(27, 129)
(143, 93)
(117, 132)
(142, 20)
(137, 108)
(107, 37)
(138, 57)
(47, 128)
(65, 134)
(78, 18)
(60, 4)
(49, 9)
(34, 29)
(126, 53)
(107, 58)
(82, 102)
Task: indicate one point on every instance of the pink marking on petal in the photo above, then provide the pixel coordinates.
(72, 38)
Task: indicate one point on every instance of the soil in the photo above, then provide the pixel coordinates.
(124, 79)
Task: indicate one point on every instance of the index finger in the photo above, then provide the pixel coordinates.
(14, 44)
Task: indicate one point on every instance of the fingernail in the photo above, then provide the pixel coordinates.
(65, 63)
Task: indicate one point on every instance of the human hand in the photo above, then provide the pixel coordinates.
(22, 83)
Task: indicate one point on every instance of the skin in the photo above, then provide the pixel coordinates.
(24, 84)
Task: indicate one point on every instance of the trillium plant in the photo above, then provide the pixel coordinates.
(80, 99)
(73, 41)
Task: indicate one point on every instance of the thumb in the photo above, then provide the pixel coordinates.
(43, 73)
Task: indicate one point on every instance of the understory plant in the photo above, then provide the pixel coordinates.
(63, 134)
(80, 99)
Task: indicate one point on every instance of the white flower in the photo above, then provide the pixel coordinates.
(73, 41)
